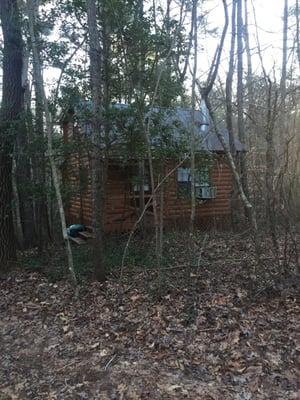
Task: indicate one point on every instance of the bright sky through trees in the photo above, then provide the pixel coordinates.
(269, 27)
(269, 23)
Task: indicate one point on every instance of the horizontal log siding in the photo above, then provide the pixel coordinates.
(178, 209)
(120, 214)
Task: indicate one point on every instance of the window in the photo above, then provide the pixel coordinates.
(136, 180)
(202, 177)
(184, 182)
(136, 187)
(202, 183)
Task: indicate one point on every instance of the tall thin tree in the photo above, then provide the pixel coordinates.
(229, 80)
(10, 113)
(98, 170)
(284, 51)
(297, 30)
(193, 127)
(240, 96)
(249, 75)
(49, 132)
(205, 93)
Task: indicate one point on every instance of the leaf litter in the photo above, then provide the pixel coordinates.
(207, 336)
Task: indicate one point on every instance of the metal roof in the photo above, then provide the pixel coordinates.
(206, 138)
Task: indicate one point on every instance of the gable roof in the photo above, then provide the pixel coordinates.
(206, 138)
(178, 119)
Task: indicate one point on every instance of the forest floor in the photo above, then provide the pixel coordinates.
(202, 329)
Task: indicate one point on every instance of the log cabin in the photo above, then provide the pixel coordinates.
(128, 186)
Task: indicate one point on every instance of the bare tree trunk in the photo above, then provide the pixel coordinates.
(146, 129)
(10, 112)
(161, 226)
(37, 138)
(39, 164)
(229, 80)
(205, 95)
(147, 205)
(31, 159)
(272, 112)
(240, 95)
(282, 117)
(249, 64)
(234, 170)
(22, 175)
(98, 164)
(20, 149)
(49, 131)
(182, 71)
(251, 128)
(229, 110)
(141, 165)
(284, 52)
(297, 31)
(154, 194)
(247, 204)
(141, 189)
(270, 166)
(17, 208)
(193, 127)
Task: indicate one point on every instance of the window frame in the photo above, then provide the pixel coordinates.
(183, 180)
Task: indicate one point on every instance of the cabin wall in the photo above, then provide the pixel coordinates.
(210, 211)
(119, 215)
(120, 210)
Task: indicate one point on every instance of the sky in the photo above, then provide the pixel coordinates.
(270, 26)
(269, 20)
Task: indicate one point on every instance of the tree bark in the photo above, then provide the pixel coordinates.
(141, 190)
(49, 131)
(193, 127)
(10, 113)
(229, 108)
(250, 88)
(297, 31)
(205, 92)
(245, 200)
(140, 96)
(284, 52)
(44, 182)
(22, 193)
(229, 80)
(97, 162)
(39, 165)
(250, 122)
(270, 165)
(17, 208)
(240, 96)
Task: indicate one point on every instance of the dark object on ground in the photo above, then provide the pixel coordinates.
(74, 230)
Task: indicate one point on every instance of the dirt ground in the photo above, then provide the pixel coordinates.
(209, 335)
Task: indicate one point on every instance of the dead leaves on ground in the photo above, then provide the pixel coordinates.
(199, 342)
